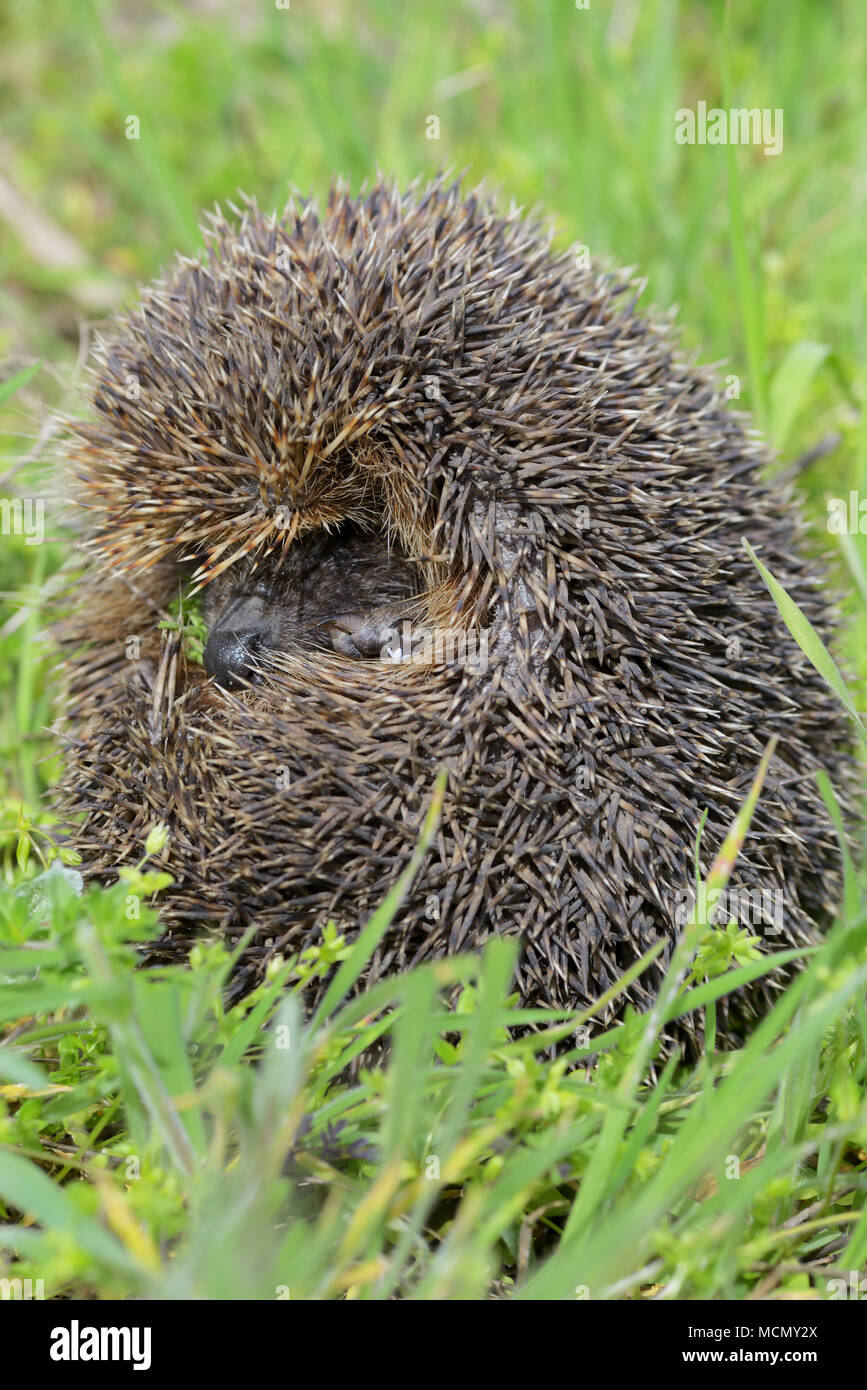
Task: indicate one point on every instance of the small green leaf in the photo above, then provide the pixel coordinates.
(157, 838)
(22, 851)
(808, 640)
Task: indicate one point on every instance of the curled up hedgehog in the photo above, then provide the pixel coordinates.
(449, 500)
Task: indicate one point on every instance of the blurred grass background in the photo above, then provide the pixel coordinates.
(568, 108)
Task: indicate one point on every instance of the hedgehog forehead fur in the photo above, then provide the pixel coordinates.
(421, 370)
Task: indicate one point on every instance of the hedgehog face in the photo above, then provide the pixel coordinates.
(342, 591)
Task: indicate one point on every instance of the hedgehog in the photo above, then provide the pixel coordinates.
(448, 500)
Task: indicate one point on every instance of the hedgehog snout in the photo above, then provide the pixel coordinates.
(241, 632)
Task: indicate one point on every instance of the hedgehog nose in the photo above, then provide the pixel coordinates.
(228, 655)
(239, 635)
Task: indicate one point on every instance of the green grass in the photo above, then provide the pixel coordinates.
(158, 1143)
(466, 1164)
